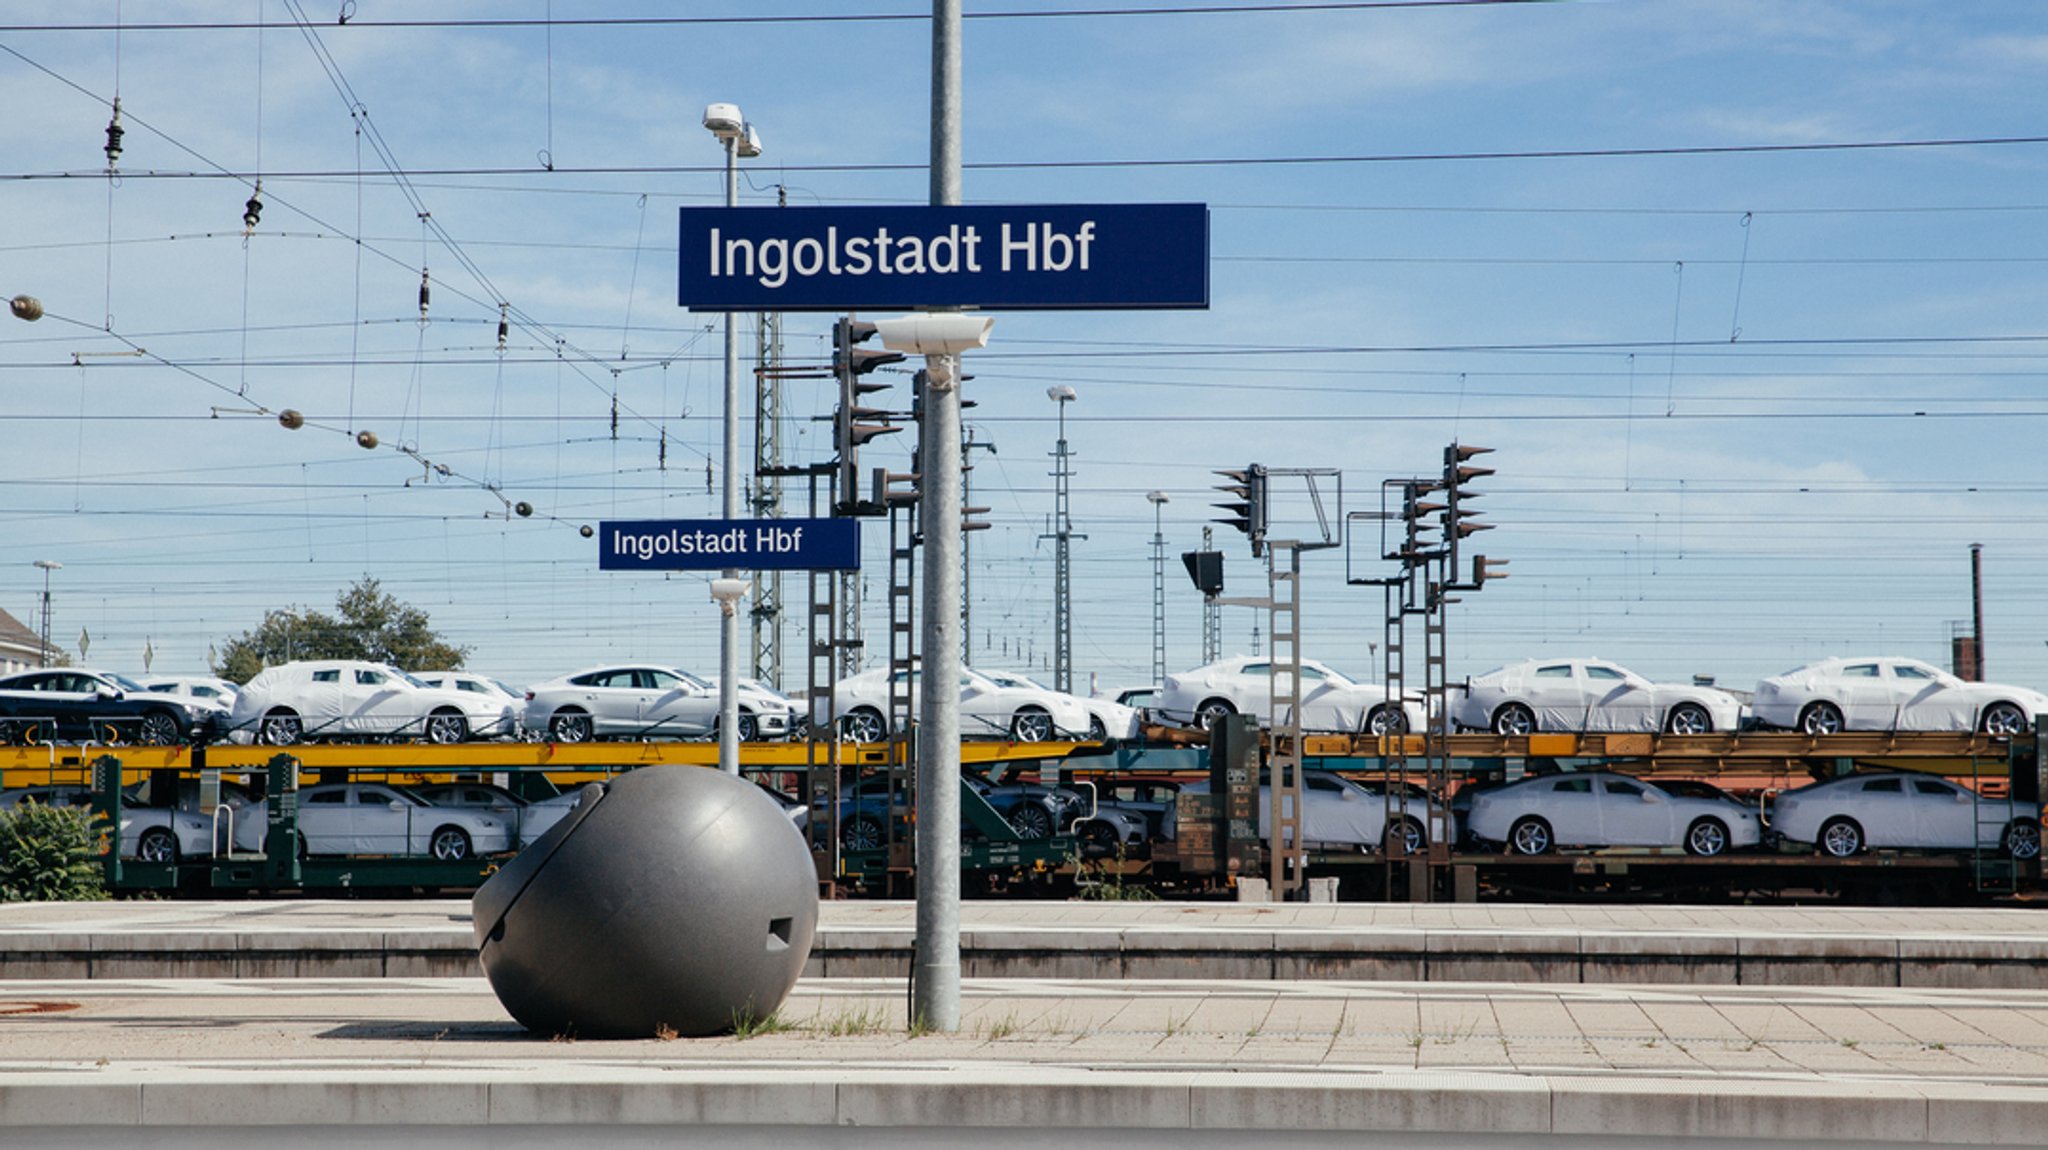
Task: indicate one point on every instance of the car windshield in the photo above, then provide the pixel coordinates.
(694, 681)
(501, 685)
(124, 682)
(398, 674)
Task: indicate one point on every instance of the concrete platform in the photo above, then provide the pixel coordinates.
(2002, 948)
(373, 1062)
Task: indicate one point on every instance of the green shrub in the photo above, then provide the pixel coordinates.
(49, 854)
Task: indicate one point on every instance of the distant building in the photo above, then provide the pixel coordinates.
(20, 648)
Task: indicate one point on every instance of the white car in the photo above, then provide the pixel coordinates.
(646, 701)
(759, 699)
(1107, 718)
(1140, 698)
(528, 818)
(1888, 694)
(148, 834)
(1536, 815)
(1589, 695)
(1845, 816)
(1335, 813)
(378, 819)
(203, 687)
(351, 698)
(496, 694)
(1027, 714)
(1330, 701)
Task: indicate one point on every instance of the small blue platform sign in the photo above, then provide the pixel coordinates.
(737, 544)
(1010, 257)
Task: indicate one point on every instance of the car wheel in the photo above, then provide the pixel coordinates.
(280, 727)
(749, 727)
(1413, 841)
(1031, 821)
(157, 845)
(2003, 719)
(1098, 839)
(864, 725)
(1530, 836)
(1031, 725)
(9, 734)
(1706, 838)
(570, 727)
(445, 727)
(1096, 731)
(1840, 838)
(1689, 719)
(2022, 840)
(1821, 719)
(159, 729)
(1386, 720)
(449, 844)
(1514, 719)
(863, 833)
(1212, 710)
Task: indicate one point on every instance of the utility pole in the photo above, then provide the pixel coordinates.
(935, 976)
(43, 652)
(767, 610)
(1212, 613)
(1158, 500)
(1062, 564)
(969, 525)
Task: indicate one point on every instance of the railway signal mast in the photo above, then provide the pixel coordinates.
(1250, 511)
(1434, 516)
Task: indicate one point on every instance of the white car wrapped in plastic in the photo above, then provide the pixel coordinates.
(1890, 694)
(1330, 700)
(321, 699)
(1107, 718)
(988, 709)
(1589, 695)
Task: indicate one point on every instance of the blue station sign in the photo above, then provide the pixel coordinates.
(719, 544)
(1010, 257)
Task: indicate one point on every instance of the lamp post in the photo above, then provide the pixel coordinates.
(48, 565)
(1158, 500)
(1062, 559)
(741, 142)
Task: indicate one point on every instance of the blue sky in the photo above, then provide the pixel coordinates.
(1748, 407)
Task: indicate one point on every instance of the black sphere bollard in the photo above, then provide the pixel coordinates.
(672, 901)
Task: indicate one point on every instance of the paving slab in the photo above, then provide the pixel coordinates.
(1789, 946)
(386, 1057)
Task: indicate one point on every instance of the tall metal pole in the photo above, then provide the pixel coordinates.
(935, 976)
(767, 501)
(967, 546)
(48, 565)
(1158, 499)
(1062, 561)
(729, 621)
(1212, 615)
(1976, 612)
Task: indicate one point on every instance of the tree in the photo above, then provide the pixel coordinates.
(371, 625)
